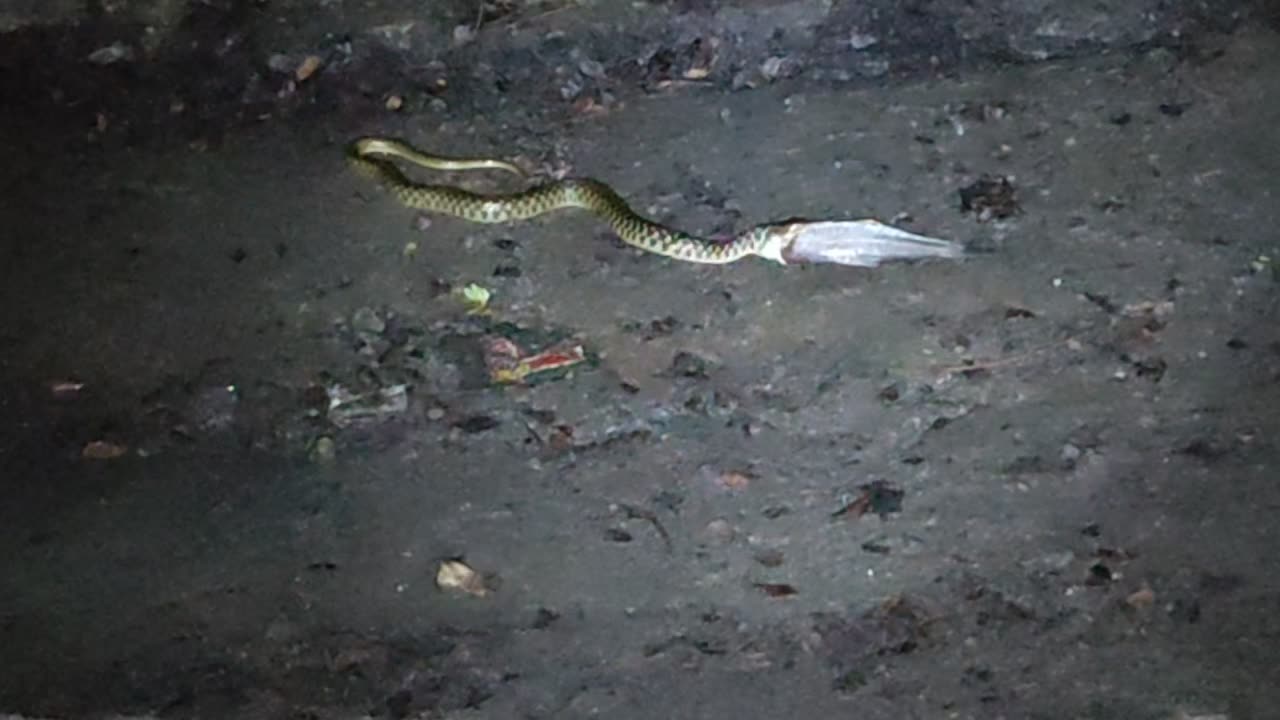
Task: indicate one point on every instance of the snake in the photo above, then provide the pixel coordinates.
(372, 157)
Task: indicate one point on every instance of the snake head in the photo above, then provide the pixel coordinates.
(859, 243)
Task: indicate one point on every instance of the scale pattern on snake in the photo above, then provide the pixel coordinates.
(365, 155)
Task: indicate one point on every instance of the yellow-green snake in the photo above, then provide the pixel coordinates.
(366, 156)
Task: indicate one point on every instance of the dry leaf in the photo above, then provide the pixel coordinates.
(1160, 309)
(476, 298)
(855, 509)
(777, 590)
(308, 67)
(703, 60)
(1142, 599)
(877, 497)
(587, 105)
(457, 575)
(63, 388)
(102, 450)
(735, 479)
(111, 54)
(561, 438)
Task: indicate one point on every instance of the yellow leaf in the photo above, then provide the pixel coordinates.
(476, 298)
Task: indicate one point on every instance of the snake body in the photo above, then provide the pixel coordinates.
(367, 155)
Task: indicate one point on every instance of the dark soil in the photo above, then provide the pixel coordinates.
(1033, 484)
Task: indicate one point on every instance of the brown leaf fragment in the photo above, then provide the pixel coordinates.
(777, 590)
(103, 450)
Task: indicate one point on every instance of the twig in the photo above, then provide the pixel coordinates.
(995, 362)
(516, 20)
(634, 513)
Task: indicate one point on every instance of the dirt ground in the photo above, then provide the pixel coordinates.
(1033, 484)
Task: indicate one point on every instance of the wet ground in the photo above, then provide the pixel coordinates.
(1035, 484)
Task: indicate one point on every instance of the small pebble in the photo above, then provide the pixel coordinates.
(591, 68)
(1057, 561)
(463, 34)
(280, 63)
(435, 413)
(570, 89)
(862, 41)
(1070, 454)
(617, 535)
(719, 532)
(772, 67)
(324, 450)
(366, 321)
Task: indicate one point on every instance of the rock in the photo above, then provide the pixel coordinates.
(324, 450)
(463, 34)
(718, 532)
(1070, 455)
(873, 67)
(591, 68)
(1053, 562)
(366, 321)
(861, 40)
(281, 63)
(779, 67)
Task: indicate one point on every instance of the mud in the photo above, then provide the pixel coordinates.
(1034, 484)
